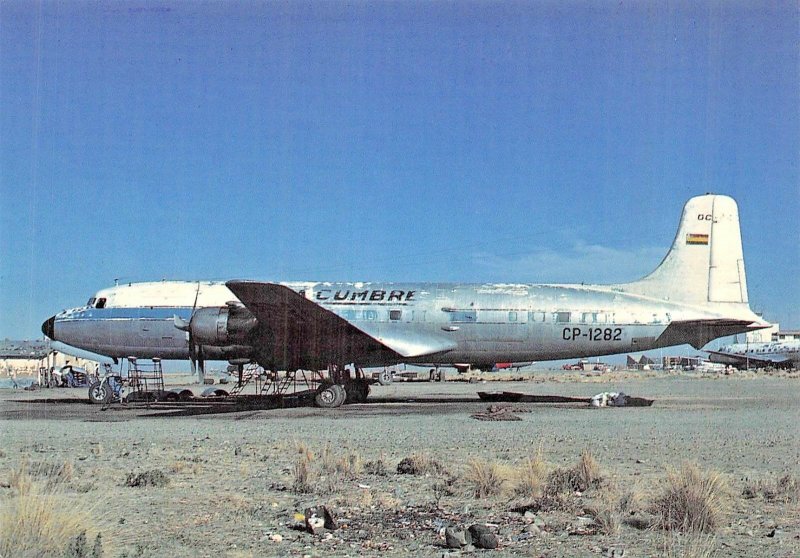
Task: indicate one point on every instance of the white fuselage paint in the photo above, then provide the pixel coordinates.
(488, 322)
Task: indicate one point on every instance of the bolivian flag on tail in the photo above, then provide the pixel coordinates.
(696, 238)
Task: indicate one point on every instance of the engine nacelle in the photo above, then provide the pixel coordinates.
(221, 326)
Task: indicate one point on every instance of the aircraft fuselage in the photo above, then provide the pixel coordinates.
(482, 323)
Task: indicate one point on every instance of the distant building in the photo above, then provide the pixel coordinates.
(763, 335)
(25, 359)
(684, 362)
(788, 335)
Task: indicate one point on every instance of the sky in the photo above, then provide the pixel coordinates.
(406, 141)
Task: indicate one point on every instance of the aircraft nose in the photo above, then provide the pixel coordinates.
(48, 327)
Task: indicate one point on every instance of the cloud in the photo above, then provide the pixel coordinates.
(578, 263)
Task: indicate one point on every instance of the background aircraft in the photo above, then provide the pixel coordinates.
(698, 293)
(783, 354)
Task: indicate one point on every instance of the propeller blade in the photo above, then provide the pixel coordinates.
(180, 323)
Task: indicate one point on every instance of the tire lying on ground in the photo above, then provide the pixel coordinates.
(214, 392)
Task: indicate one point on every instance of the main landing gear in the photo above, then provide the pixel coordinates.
(341, 387)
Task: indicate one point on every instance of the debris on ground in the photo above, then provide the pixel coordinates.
(618, 399)
(498, 412)
(319, 518)
(477, 536)
(482, 537)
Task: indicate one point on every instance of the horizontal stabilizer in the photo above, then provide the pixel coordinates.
(698, 333)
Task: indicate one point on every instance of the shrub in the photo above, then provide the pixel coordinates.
(153, 477)
(419, 464)
(377, 468)
(587, 471)
(485, 478)
(607, 510)
(692, 501)
(530, 477)
(582, 476)
(39, 519)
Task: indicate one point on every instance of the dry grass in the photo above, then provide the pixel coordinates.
(556, 490)
(304, 475)
(58, 473)
(349, 466)
(691, 546)
(327, 460)
(235, 502)
(419, 464)
(692, 501)
(630, 501)
(40, 519)
(304, 451)
(587, 471)
(784, 489)
(608, 508)
(486, 479)
(179, 466)
(583, 475)
(530, 476)
(355, 499)
(377, 467)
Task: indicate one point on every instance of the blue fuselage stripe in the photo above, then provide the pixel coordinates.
(135, 313)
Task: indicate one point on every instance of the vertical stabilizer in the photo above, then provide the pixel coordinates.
(705, 264)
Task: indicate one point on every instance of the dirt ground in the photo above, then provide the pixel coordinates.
(232, 469)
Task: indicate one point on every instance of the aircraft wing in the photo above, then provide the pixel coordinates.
(753, 358)
(294, 332)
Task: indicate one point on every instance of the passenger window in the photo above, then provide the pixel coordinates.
(512, 316)
(395, 314)
(370, 315)
(562, 317)
(463, 316)
(101, 303)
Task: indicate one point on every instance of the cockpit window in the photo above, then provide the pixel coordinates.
(101, 303)
(91, 302)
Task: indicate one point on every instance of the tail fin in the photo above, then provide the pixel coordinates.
(705, 264)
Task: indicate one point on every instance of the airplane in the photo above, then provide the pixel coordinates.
(779, 354)
(696, 294)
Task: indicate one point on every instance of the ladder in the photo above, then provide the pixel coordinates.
(145, 378)
(251, 371)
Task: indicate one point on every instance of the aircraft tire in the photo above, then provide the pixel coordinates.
(99, 392)
(385, 378)
(357, 392)
(329, 396)
(341, 394)
(442, 376)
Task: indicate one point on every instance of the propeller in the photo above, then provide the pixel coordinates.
(195, 350)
